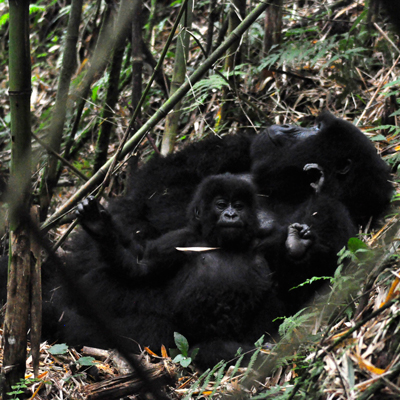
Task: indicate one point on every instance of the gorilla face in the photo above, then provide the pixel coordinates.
(284, 135)
(223, 209)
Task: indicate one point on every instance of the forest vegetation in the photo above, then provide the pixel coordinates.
(89, 87)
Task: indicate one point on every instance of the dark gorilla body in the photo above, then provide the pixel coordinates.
(161, 190)
(354, 175)
(220, 299)
(317, 182)
(307, 216)
(304, 245)
(158, 196)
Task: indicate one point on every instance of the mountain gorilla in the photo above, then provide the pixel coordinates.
(207, 280)
(315, 185)
(287, 161)
(353, 172)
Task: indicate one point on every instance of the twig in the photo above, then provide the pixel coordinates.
(386, 36)
(60, 158)
(377, 90)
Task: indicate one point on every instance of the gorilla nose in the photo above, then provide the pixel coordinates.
(283, 129)
(287, 127)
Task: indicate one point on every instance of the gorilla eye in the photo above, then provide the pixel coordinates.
(239, 206)
(318, 127)
(221, 204)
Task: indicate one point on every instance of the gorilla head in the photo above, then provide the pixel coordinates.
(354, 173)
(223, 211)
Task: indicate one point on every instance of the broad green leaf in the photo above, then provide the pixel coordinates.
(181, 343)
(86, 361)
(58, 349)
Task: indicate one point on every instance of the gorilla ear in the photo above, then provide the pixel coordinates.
(345, 168)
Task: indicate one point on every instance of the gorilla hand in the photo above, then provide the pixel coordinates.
(298, 240)
(93, 217)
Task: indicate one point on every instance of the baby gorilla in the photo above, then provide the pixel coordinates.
(207, 281)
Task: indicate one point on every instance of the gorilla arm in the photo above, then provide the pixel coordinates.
(116, 248)
(158, 258)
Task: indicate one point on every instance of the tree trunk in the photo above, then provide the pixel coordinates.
(16, 319)
(107, 117)
(106, 20)
(273, 25)
(212, 17)
(36, 296)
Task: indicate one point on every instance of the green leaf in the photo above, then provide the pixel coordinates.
(178, 358)
(355, 244)
(395, 113)
(176, 3)
(58, 349)
(4, 19)
(378, 138)
(260, 341)
(239, 352)
(86, 361)
(350, 372)
(181, 343)
(311, 280)
(396, 82)
(360, 17)
(186, 362)
(94, 92)
(182, 360)
(35, 8)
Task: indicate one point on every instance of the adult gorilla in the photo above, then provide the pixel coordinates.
(353, 173)
(351, 184)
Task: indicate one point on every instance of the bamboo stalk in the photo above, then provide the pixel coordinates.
(19, 196)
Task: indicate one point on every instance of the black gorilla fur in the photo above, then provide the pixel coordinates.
(158, 196)
(286, 161)
(161, 190)
(354, 173)
(304, 244)
(347, 165)
(220, 299)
